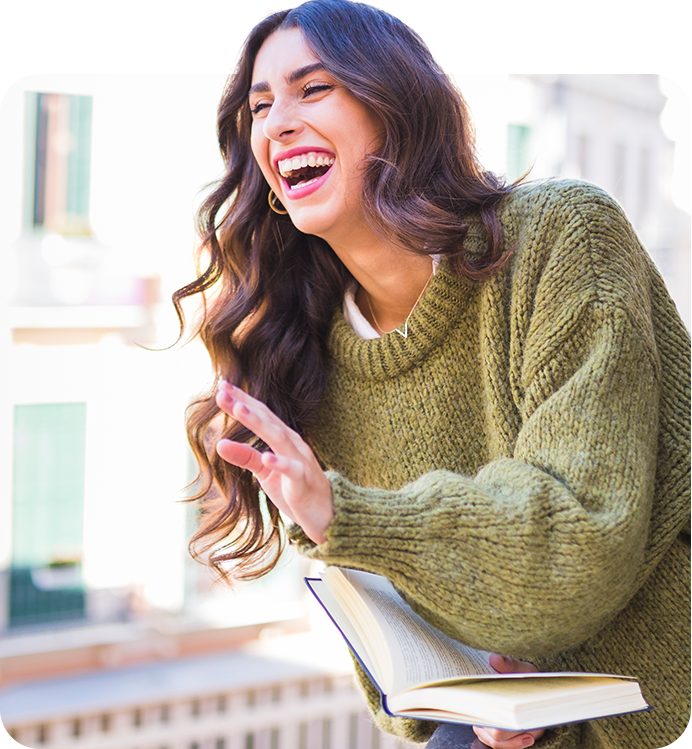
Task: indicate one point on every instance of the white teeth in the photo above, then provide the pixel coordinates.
(303, 184)
(312, 158)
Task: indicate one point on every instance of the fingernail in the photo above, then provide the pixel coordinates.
(226, 387)
(527, 741)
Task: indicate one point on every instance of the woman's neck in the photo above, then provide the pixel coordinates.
(391, 282)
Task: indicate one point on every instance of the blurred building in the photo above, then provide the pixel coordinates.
(605, 129)
(290, 693)
(110, 636)
(95, 577)
(95, 396)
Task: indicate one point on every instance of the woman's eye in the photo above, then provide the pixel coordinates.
(307, 90)
(313, 88)
(259, 107)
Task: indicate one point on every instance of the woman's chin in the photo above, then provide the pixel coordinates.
(310, 221)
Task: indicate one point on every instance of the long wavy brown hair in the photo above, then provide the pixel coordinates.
(270, 291)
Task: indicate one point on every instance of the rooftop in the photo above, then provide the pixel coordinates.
(266, 661)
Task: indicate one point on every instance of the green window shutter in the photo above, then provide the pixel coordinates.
(79, 164)
(518, 150)
(47, 522)
(57, 131)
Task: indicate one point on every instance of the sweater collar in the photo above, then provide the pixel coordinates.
(392, 355)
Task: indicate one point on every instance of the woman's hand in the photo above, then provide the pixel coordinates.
(508, 739)
(289, 475)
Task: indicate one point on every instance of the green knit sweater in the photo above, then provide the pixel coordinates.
(519, 466)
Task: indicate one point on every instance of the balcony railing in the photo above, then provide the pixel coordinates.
(317, 713)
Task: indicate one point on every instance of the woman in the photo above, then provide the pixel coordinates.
(475, 389)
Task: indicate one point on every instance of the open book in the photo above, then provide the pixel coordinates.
(424, 674)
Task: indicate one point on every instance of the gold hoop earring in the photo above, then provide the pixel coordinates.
(273, 205)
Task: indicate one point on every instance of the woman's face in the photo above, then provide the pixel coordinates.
(309, 137)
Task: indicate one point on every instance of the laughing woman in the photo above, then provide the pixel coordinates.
(478, 390)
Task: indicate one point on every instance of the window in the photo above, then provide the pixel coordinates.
(644, 182)
(47, 502)
(518, 153)
(583, 156)
(58, 162)
(619, 166)
(353, 731)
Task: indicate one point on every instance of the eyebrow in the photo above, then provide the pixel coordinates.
(263, 87)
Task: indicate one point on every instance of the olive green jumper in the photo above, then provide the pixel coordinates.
(519, 466)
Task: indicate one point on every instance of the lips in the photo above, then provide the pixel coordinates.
(303, 170)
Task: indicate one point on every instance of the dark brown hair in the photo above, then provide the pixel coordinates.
(275, 289)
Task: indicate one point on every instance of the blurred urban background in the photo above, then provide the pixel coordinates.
(110, 636)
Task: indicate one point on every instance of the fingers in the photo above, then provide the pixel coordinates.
(292, 469)
(505, 665)
(259, 419)
(289, 473)
(240, 455)
(497, 739)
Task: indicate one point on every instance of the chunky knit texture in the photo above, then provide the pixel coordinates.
(519, 466)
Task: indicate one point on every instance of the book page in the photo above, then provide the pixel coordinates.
(425, 653)
(350, 633)
(524, 703)
(420, 652)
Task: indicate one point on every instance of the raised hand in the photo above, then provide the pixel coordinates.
(288, 473)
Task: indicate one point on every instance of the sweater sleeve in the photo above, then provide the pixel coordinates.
(540, 549)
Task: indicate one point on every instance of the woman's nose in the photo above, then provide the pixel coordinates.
(281, 122)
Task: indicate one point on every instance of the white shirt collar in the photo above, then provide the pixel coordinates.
(356, 319)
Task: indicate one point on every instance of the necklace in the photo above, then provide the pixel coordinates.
(403, 333)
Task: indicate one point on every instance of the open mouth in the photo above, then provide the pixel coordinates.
(303, 170)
